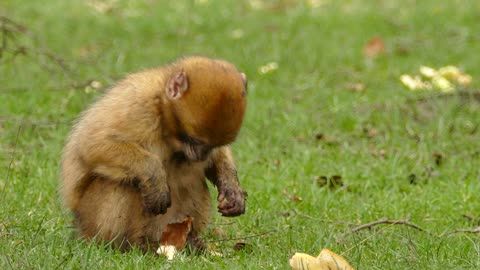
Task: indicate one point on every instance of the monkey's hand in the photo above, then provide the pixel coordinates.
(231, 198)
(156, 197)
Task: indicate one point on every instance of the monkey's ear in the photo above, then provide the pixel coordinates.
(177, 85)
(245, 81)
(244, 77)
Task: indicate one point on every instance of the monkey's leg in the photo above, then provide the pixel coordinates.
(120, 161)
(223, 174)
(195, 244)
(110, 212)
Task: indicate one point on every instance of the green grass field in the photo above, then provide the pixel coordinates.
(327, 113)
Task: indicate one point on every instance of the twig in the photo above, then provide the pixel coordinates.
(476, 230)
(388, 221)
(9, 29)
(242, 238)
(12, 159)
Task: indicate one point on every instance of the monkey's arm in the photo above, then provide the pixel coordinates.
(222, 172)
(126, 161)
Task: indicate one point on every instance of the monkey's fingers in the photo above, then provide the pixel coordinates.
(221, 197)
(234, 206)
(233, 211)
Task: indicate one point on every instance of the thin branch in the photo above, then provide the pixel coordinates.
(405, 222)
(476, 230)
(9, 29)
(12, 159)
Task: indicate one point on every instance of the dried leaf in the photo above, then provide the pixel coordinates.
(292, 197)
(330, 140)
(374, 48)
(175, 234)
(319, 136)
(371, 132)
(380, 153)
(355, 87)
(438, 158)
(242, 246)
(412, 179)
(333, 182)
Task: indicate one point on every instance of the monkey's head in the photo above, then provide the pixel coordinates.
(208, 101)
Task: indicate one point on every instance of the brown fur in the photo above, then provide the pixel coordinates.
(137, 159)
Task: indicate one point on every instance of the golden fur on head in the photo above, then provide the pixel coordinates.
(214, 119)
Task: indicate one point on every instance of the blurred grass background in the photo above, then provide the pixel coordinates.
(332, 139)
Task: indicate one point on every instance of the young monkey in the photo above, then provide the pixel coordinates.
(137, 159)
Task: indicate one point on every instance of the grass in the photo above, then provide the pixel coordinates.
(399, 154)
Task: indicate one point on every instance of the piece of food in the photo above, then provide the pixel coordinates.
(174, 238)
(168, 251)
(326, 260)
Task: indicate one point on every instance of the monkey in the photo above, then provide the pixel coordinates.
(139, 157)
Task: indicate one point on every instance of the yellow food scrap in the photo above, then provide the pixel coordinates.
(326, 260)
(168, 251)
(445, 79)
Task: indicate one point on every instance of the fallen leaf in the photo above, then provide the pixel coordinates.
(319, 136)
(412, 179)
(174, 238)
(242, 246)
(237, 33)
(292, 197)
(380, 153)
(438, 158)
(175, 234)
(330, 140)
(371, 132)
(374, 48)
(355, 87)
(333, 182)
